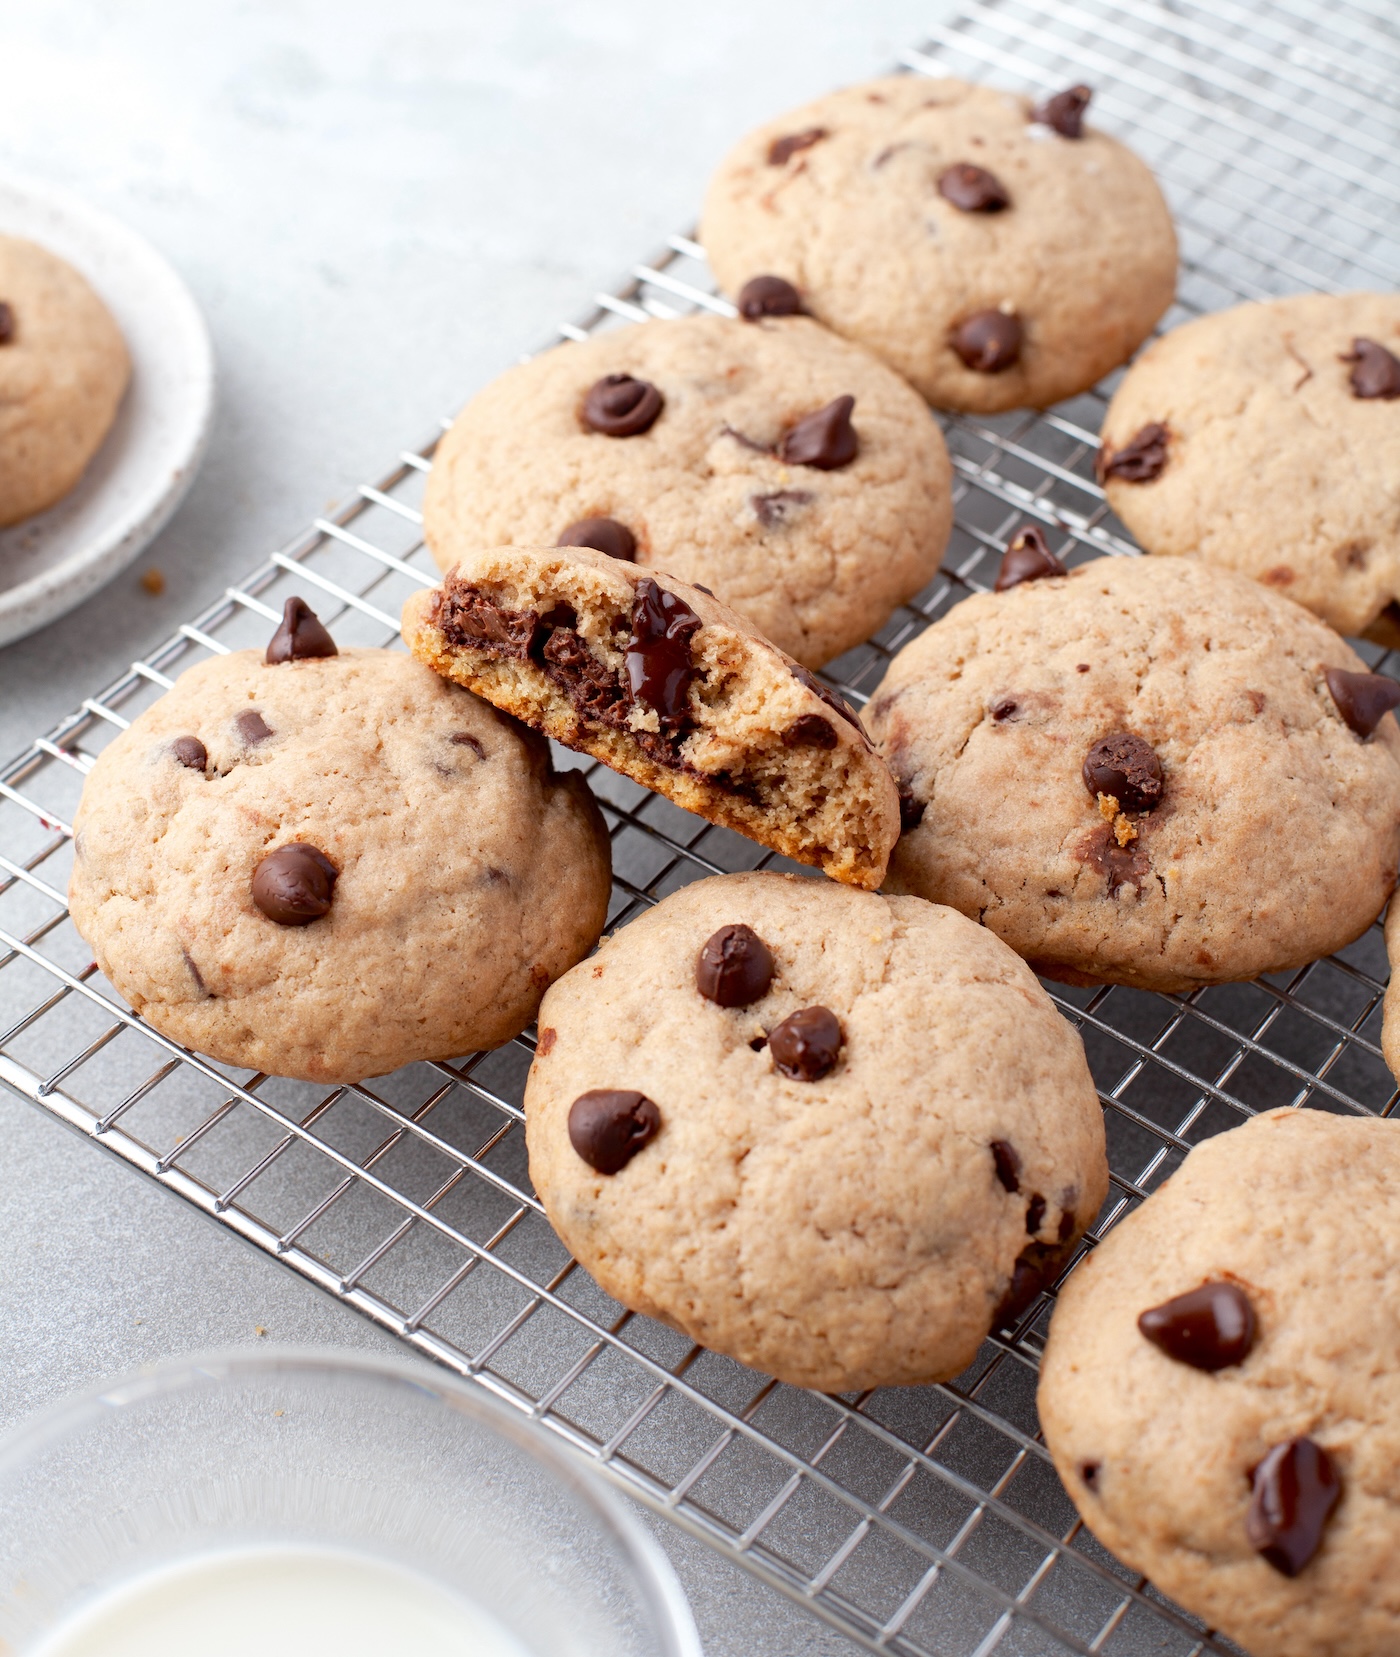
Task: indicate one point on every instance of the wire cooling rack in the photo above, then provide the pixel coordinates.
(916, 1520)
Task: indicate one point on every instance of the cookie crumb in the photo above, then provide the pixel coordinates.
(1108, 807)
(152, 582)
(1123, 830)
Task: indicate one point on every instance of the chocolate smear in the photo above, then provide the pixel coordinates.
(973, 189)
(657, 658)
(1028, 558)
(191, 752)
(764, 296)
(603, 535)
(735, 967)
(299, 637)
(807, 1044)
(1296, 1486)
(1376, 372)
(781, 150)
(293, 885)
(619, 405)
(988, 342)
(608, 1126)
(1064, 113)
(1126, 767)
(1141, 458)
(1363, 699)
(1210, 1328)
(825, 439)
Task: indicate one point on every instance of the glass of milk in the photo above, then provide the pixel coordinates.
(300, 1503)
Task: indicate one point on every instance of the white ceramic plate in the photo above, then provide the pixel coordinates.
(139, 476)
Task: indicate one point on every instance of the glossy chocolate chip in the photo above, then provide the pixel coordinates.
(299, 637)
(1028, 558)
(253, 728)
(1210, 1328)
(1363, 699)
(989, 342)
(1065, 111)
(807, 1044)
(764, 296)
(1126, 767)
(1004, 709)
(780, 506)
(781, 150)
(603, 535)
(7, 323)
(973, 189)
(1296, 1486)
(619, 405)
(1376, 371)
(293, 885)
(657, 658)
(1008, 1165)
(608, 1126)
(825, 439)
(1141, 458)
(810, 730)
(735, 967)
(190, 751)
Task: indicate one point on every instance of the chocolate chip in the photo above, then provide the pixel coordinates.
(603, 535)
(464, 739)
(764, 296)
(293, 884)
(619, 405)
(1296, 1486)
(1037, 1267)
(988, 342)
(810, 730)
(701, 588)
(807, 1044)
(1141, 458)
(911, 809)
(1004, 709)
(780, 506)
(1035, 1214)
(1008, 1165)
(657, 658)
(735, 967)
(7, 323)
(1089, 1472)
(1066, 1225)
(1064, 112)
(832, 700)
(608, 1126)
(1377, 371)
(1028, 558)
(190, 751)
(782, 149)
(299, 637)
(1126, 767)
(253, 728)
(1363, 699)
(825, 439)
(758, 1044)
(973, 189)
(194, 972)
(1210, 1328)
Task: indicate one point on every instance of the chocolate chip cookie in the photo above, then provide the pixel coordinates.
(328, 865)
(1150, 771)
(996, 251)
(667, 685)
(835, 1135)
(1267, 438)
(785, 470)
(63, 369)
(1219, 1393)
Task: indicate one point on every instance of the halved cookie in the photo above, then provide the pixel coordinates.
(670, 687)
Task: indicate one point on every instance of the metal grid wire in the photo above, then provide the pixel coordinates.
(916, 1520)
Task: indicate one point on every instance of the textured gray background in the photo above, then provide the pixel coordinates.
(378, 206)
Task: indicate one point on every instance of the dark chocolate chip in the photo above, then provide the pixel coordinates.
(7, 323)
(810, 730)
(735, 967)
(190, 751)
(293, 884)
(619, 405)
(608, 1126)
(832, 700)
(1126, 767)
(911, 809)
(603, 535)
(1008, 1164)
(700, 587)
(807, 1044)
(464, 739)
(657, 657)
(1028, 558)
(988, 341)
(1141, 458)
(1035, 1214)
(782, 149)
(973, 189)
(780, 506)
(758, 1044)
(1210, 1328)
(1089, 1472)
(1066, 1225)
(1004, 709)
(195, 973)
(1037, 1267)
(764, 296)
(1296, 1486)
(300, 637)
(253, 728)
(1376, 372)
(1363, 699)
(1065, 111)
(826, 439)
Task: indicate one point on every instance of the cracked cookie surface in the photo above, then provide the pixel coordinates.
(1275, 833)
(863, 219)
(815, 556)
(859, 1229)
(467, 875)
(1272, 465)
